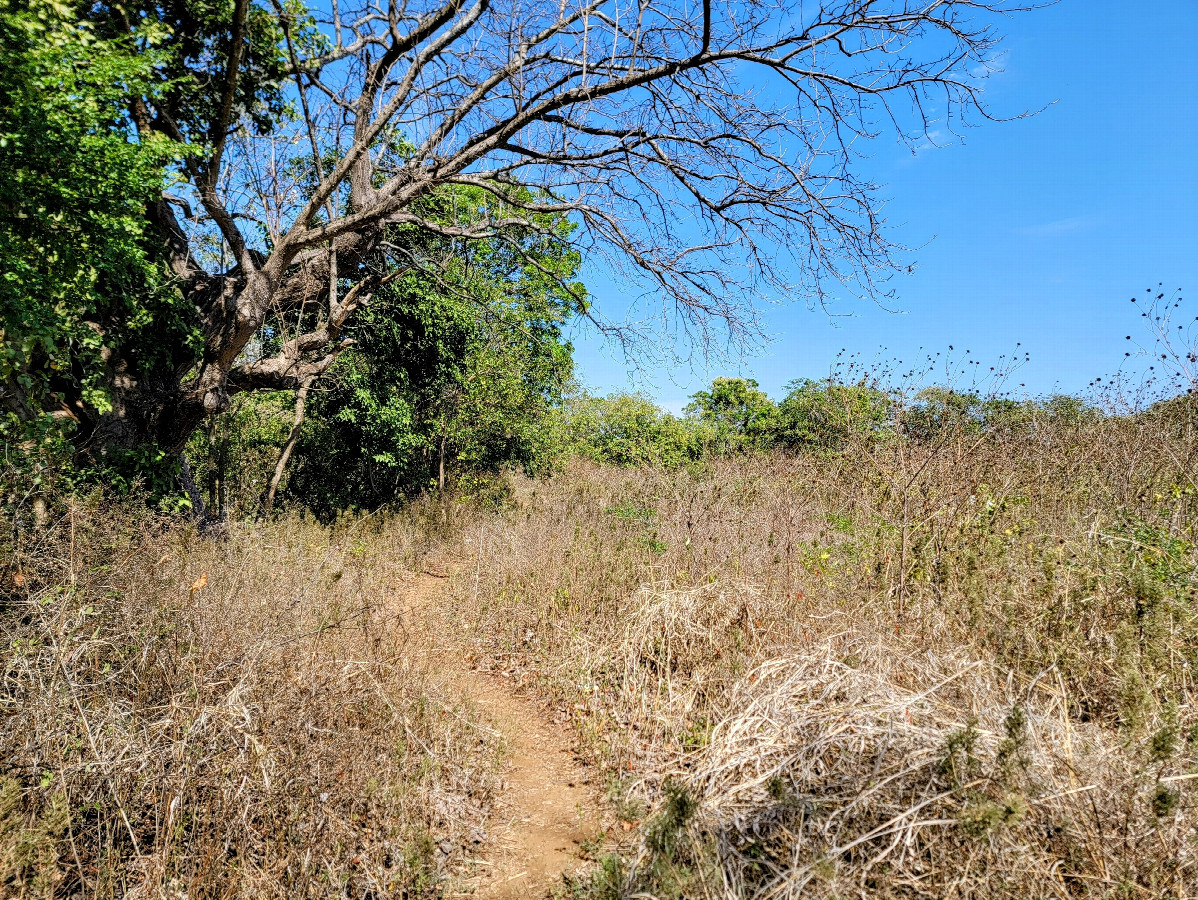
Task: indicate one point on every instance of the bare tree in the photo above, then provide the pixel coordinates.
(707, 151)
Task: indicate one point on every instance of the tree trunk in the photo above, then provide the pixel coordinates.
(441, 464)
(198, 510)
(222, 482)
(147, 411)
(301, 401)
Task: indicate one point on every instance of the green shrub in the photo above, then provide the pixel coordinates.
(827, 414)
(738, 415)
(630, 430)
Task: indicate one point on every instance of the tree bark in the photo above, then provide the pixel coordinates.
(301, 401)
(198, 510)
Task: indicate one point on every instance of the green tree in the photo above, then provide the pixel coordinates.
(387, 113)
(739, 414)
(234, 456)
(84, 299)
(1005, 414)
(449, 375)
(939, 409)
(631, 430)
(1063, 409)
(827, 414)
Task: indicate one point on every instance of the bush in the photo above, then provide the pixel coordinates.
(828, 414)
(736, 416)
(630, 430)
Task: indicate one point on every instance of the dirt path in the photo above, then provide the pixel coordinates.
(547, 809)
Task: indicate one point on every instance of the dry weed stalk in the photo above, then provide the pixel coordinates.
(831, 779)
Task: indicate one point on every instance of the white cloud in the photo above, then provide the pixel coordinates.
(1058, 227)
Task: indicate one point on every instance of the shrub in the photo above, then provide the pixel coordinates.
(630, 430)
(737, 415)
(827, 414)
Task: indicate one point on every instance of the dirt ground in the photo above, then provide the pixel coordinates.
(548, 808)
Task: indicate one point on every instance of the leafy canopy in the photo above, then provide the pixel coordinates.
(630, 430)
(80, 280)
(742, 416)
(827, 413)
(463, 369)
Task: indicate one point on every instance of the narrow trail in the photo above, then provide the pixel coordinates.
(547, 807)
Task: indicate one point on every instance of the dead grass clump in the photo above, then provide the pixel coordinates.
(183, 717)
(679, 632)
(854, 769)
(679, 654)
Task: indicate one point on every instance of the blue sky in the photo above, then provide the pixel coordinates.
(1036, 232)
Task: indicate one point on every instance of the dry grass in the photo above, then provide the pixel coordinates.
(961, 669)
(832, 780)
(183, 717)
(958, 669)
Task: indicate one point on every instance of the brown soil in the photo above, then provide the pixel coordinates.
(548, 806)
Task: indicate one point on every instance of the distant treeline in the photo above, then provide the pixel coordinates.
(734, 415)
(357, 451)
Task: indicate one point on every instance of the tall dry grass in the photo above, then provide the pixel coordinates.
(244, 717)
(954, 668)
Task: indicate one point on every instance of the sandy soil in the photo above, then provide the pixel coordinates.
(548, 807)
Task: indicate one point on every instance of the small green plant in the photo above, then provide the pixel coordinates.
(1165, 801)
(628, 511)
(420, 859)
(1163, 743)
(590, 847)
(605, 882)
(664, 832)
(1010, 749)
(782, 792)
(961, 761)
(646, 518)
(981, 817)
(697, 736)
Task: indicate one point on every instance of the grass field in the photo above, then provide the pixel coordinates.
(953, 669)
(950, 668)
(184, 717)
